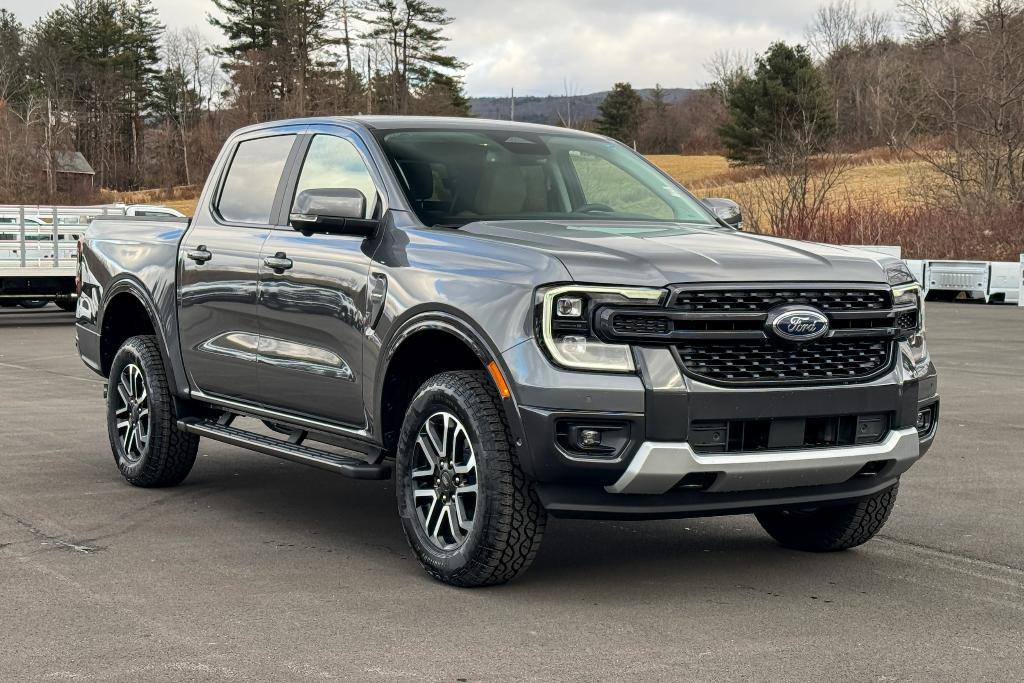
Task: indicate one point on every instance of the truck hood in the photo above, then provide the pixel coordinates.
(657, 254)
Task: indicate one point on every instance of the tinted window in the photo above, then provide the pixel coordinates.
(335, 163)
(252, 180)
(454, 177)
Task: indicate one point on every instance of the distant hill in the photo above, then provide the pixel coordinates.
(547, 109)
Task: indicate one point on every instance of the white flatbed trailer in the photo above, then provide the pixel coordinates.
(38, 251)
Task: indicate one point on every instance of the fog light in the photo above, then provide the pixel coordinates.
(924, 421)
(589, 438)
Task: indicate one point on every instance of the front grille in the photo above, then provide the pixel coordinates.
(735, 300)
(641, 324)
(723, 334)
(752, 435)
(828, 360)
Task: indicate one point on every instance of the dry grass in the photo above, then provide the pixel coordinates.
(875, 175)
(183, 198)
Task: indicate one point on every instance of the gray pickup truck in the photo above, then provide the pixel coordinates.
(515, 321)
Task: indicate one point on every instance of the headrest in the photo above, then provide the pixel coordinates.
(420, 177)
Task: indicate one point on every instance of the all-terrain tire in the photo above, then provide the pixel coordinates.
(828, 529)
(509, 521)
(168, 454)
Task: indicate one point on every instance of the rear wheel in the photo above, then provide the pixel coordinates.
(34, 303)
(828, 529)
(468, 510)
(148, 447)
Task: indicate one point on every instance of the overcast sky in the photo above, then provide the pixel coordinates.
(536, 46)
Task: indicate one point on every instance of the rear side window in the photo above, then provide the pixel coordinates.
(252, 180)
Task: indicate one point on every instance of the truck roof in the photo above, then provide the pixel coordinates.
(376, 122)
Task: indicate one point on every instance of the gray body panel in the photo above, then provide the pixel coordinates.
(307, 344)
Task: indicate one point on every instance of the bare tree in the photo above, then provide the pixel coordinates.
(973, 76)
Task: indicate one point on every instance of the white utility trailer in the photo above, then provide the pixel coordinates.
(39, 250)
(970, 277)
(993, 281)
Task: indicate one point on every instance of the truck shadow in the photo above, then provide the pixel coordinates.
(322, 512)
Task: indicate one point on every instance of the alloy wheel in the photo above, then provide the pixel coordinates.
(132, 413)
(444, 480)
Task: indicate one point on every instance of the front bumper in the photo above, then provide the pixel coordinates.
(657, 467)
(651, 475)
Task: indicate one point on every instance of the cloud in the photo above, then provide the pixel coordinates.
(537, 46)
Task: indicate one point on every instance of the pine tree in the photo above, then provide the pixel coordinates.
(412, 32)
(621, 113)
(12, 57)
(247, 25)
(782, 109)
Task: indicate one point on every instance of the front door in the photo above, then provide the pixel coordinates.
(313, 295)
(219, 263)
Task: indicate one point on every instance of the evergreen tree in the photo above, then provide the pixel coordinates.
(621, 113)
(442, 96)
(247, 25)
(12, 57)
(780, 110)
(658, 135)
(412, 32)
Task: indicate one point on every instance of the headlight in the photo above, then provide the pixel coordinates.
(908, 304)
(899, 274)
(566, 327)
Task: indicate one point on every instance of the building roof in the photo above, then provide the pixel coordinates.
(71, 162)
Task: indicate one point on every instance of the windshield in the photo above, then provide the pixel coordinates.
(455, 177)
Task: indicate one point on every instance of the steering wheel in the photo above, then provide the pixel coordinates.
(594, 208)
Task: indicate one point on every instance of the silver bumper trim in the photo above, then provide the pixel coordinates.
(658, 466)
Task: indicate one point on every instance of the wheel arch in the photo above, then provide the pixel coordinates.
(421, 346)
(129, 311)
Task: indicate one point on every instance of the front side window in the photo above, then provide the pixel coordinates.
(334, 163)
(251, 182)
(455, 177)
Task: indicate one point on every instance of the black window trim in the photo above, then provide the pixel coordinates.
(302, 149)
(296, 133)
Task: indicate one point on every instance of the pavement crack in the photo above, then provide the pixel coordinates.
(78, 546)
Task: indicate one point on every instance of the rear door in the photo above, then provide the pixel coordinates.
(219, 264)
(313, 314)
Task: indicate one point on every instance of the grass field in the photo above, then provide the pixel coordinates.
(872, 177)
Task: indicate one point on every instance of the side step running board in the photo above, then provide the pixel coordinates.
(306, 455)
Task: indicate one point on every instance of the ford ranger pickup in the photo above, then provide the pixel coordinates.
(513, 321)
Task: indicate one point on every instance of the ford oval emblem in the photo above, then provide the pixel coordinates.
(798, 324)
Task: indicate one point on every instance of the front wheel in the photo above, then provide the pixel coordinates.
(828, 529)
(468, 510)
(148, 447)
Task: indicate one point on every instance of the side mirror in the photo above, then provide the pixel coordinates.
(726, 209)
(335, 211)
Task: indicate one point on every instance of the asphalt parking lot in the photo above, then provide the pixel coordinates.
(261, 569)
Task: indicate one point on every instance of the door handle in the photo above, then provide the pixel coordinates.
(200, 254)
(278, 263)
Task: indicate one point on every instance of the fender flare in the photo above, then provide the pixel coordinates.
(128, 284)
(454, 324)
